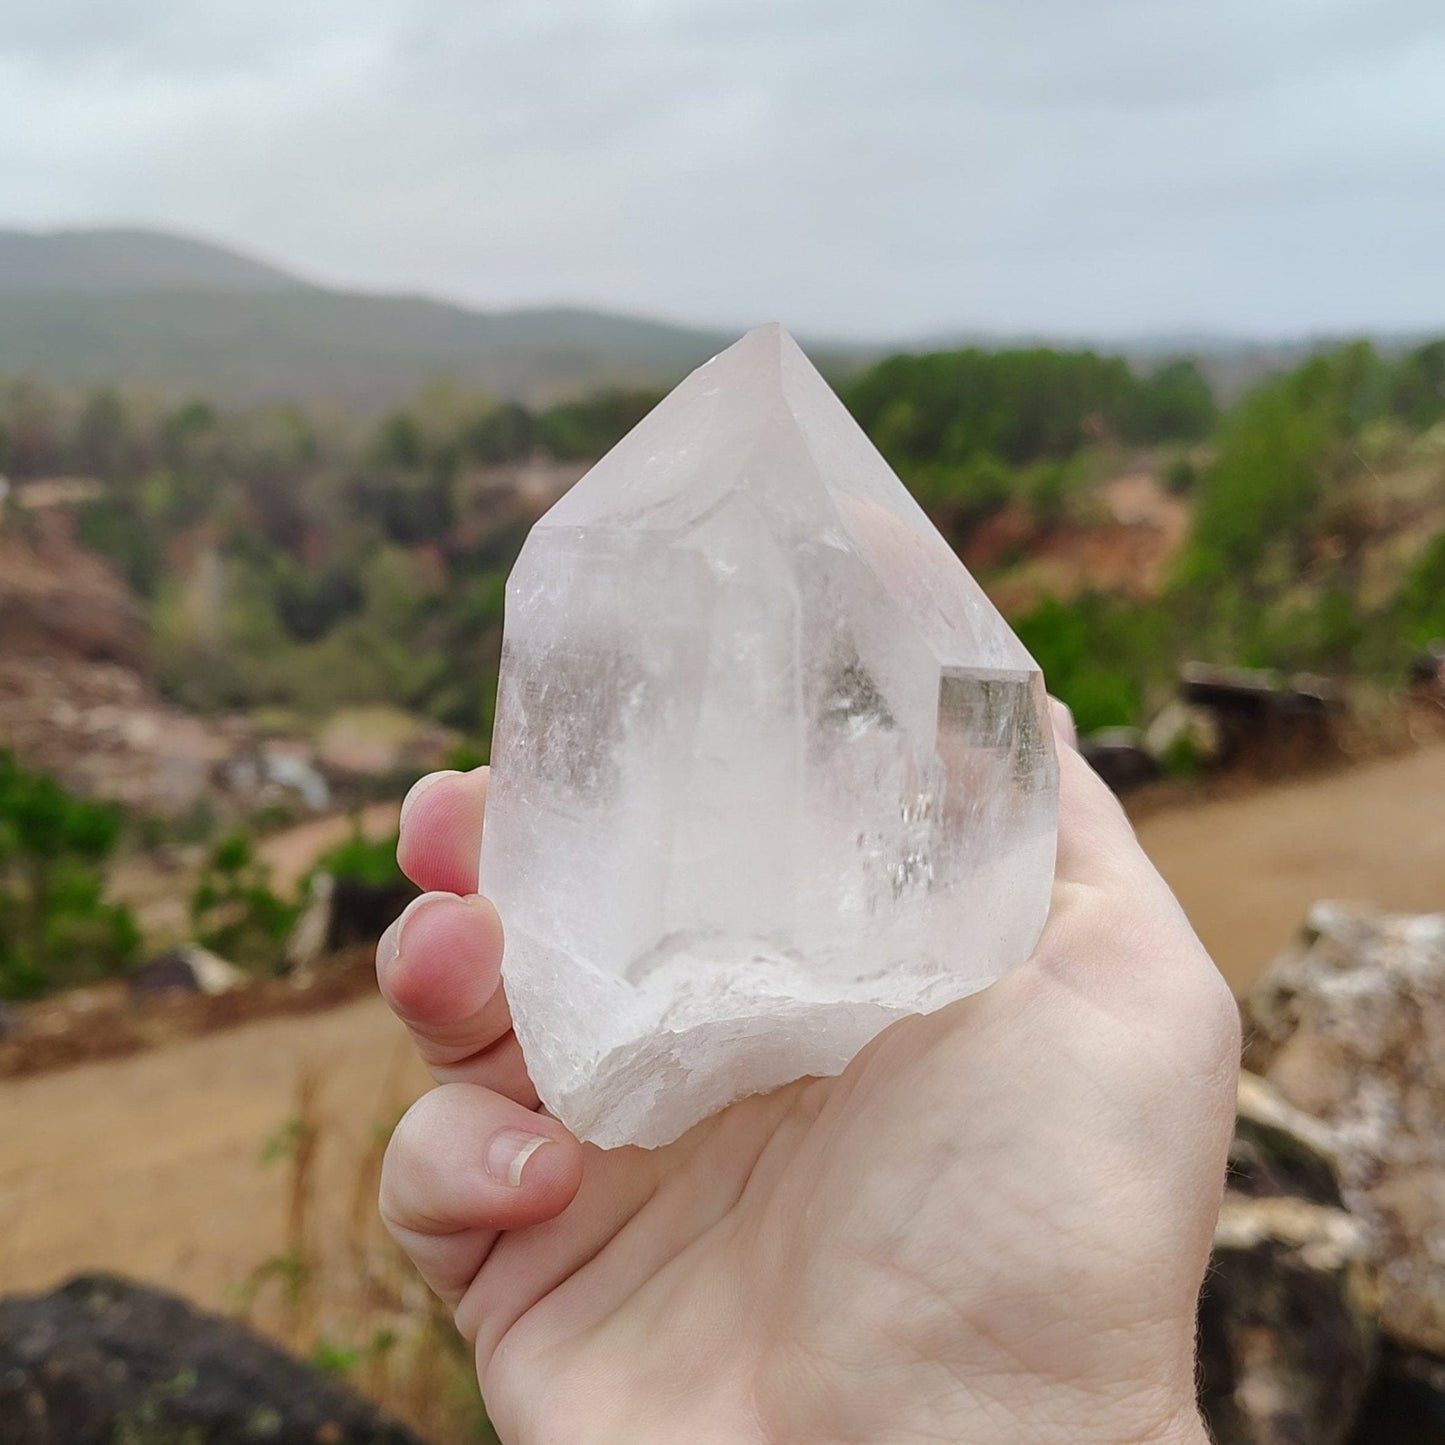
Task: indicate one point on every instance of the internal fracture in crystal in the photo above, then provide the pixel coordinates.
(769, 770)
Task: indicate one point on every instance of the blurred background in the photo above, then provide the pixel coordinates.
(308, 312)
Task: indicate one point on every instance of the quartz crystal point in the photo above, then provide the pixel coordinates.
(769, 770)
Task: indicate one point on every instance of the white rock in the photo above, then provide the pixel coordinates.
(769, 770)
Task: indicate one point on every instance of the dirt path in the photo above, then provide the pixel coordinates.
(151, 1163)
(292, 852)
(1247, 868)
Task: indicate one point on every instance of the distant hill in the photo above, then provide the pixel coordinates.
(187, 317)
(110, 262)
(149, 309)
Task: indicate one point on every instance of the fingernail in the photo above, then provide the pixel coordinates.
(508, 1153)
(418, 788)
(388, 950)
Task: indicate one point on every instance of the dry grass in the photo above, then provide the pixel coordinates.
(346, 1298)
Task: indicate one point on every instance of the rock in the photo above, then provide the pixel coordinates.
(1286, 1327)
(103, 1360)
(306, 943)
(1350, 1027)
(188, 968)
(340, 912)
(1119, 756)
(1181, 734)
(1426, 670)
(1279, 1150)
(1406, 1405)
(1264, 721)
(361, 912)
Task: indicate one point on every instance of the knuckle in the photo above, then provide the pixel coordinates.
(409, 1171)
(1209, 1024)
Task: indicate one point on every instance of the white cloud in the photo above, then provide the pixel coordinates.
(852, 168)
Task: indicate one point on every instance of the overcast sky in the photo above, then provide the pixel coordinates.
(851, 167)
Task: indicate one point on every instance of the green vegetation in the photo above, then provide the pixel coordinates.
(234, 912)
(344, 1299)
(971, 430)
(1420, 607)
(1271, 575)
(951, 408)
(1284, 494)
(307, 560)
(1099, 654)
(360, 859)
(56, 928)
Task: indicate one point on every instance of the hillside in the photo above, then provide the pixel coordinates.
(146, 309)
(119, 260)
(184, 317)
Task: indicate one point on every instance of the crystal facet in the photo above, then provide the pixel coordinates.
(769, 770)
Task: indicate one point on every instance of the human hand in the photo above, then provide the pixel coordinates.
(992, 1227)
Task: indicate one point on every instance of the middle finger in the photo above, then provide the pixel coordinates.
(439, 969)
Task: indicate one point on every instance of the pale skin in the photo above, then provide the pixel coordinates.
(991, 1228)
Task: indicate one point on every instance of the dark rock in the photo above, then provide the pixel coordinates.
(1279, 1151)
(103, 1360)
(341, 912)
(362, 912)
(1286, 1323)
(1406, 1406)
(1427, 668)
(1265, 721)
(1119, 757)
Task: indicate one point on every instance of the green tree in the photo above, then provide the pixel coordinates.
(56, 927)
(1016, 406)
(1417, 396)
(1279, 450)
(1173, 403)
(399, 442)
(506, 433)
(101, 440)
(586, 428)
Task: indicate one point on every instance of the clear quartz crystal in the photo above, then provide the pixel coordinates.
(769, 770)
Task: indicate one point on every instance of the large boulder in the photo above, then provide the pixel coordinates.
(1349, 1027)
(1406, 1405)
(103, 1360)
(1287, 1337)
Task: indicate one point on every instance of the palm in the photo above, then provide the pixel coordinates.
(1008, 1196)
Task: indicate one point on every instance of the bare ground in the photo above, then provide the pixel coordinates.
(1246, 868)
(151, 1163)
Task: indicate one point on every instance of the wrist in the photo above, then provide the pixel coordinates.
(1041, 1414)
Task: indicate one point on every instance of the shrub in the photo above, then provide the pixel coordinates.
(235, 913)
(1420, 608)
(363, 860)
(56, 927)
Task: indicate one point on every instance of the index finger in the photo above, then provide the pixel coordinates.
(1097, 843)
